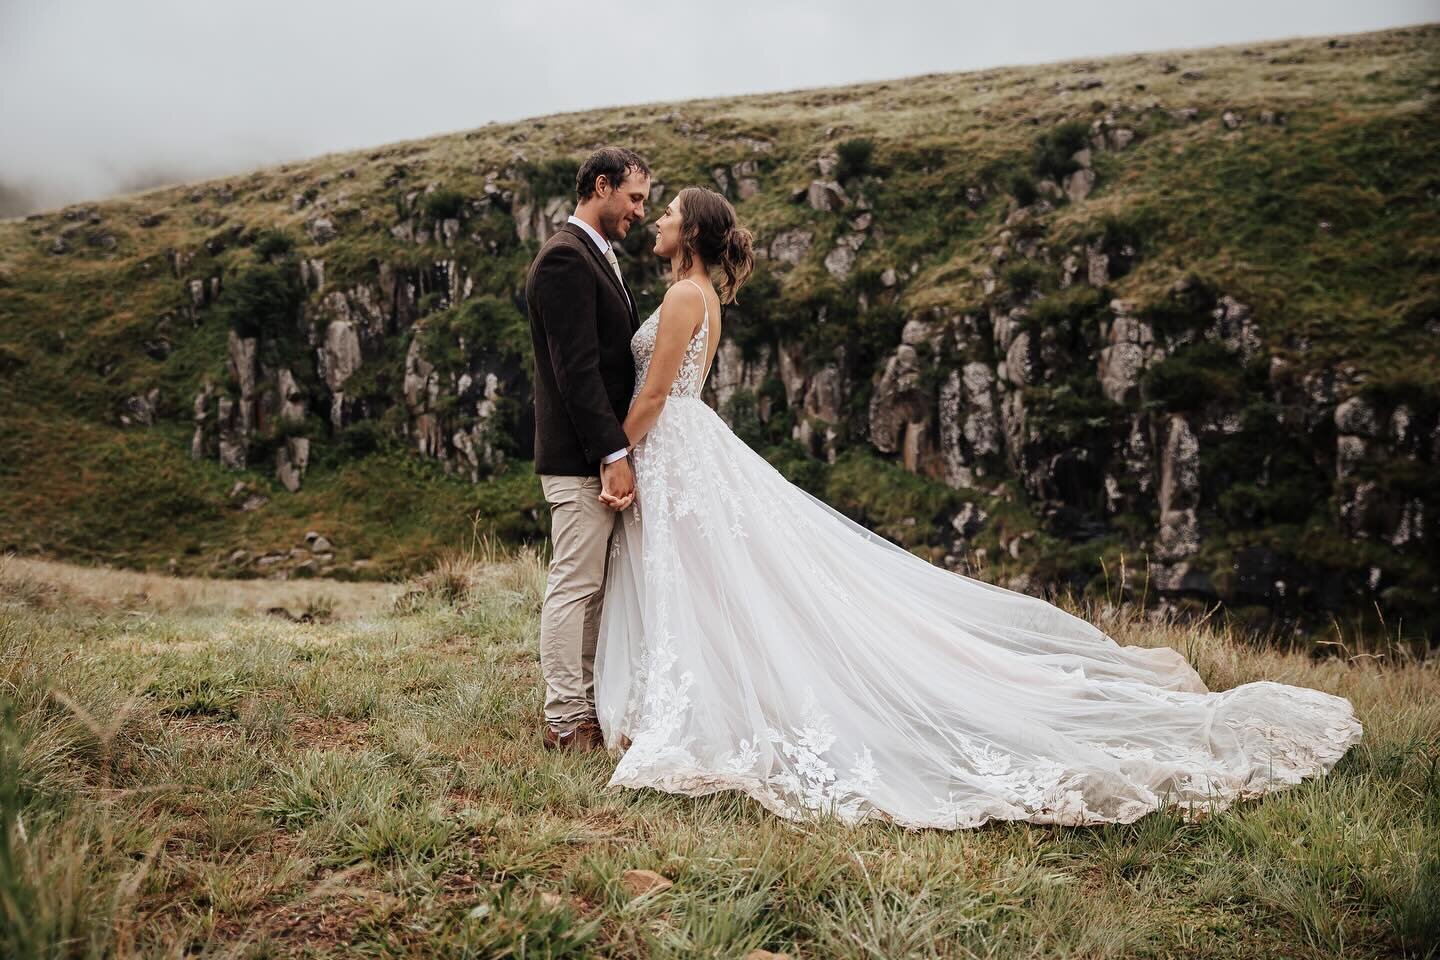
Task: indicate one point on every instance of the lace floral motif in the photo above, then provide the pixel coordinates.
(809, 778)
(660, 702)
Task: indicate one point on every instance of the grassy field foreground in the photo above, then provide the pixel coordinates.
(360, 773)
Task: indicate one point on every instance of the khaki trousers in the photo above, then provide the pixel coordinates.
(580, 529)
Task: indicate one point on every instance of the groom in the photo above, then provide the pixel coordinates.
(582, 317)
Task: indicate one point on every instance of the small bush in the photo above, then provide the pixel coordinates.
(1022, 188)
(1115, 233)
(444, 204)
(272, 244)
(452, 581)
(550, 178)
(1053, 154)
(360, 439)
(743, 413)
(1192, 378)
(1023, 277)
(264, 301)
(855, 156)
(1188, 307)
(1074, 412)
(886, 497)
(479, 325)
(1077, 306)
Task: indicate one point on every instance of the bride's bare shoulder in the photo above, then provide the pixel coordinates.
(683, 302)
(684, 291)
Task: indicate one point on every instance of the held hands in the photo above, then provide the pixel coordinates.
(617, 484)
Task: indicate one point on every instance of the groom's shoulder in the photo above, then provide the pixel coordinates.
(566, 238)
(562, 247)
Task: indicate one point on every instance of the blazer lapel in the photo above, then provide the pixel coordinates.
(634, 311)
(603, 266)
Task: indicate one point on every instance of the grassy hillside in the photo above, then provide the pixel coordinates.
(181, 774)
(1263, 223)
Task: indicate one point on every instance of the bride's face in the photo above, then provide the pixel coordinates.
(667, 231)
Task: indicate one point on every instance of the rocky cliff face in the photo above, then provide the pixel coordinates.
(1111, 336)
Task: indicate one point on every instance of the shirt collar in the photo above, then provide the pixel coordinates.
(600, 242)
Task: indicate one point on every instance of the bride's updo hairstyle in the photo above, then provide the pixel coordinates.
(710, 230)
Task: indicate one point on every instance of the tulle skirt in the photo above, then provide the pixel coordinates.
(754, 639)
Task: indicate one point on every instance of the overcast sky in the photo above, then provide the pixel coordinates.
(100, 96)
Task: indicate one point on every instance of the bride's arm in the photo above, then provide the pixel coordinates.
(680, 316)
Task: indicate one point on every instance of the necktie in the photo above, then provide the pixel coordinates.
(615, 265)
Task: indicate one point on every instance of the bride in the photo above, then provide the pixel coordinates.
(754, 639)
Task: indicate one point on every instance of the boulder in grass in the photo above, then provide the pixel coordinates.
(639, 883)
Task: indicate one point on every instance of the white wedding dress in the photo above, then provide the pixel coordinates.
(754, 639)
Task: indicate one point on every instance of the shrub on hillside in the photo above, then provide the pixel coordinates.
(444, 204)
(855, 156)
(360, 439)
(1075, 412)
(1022, 188)
(550, 178)
(1193, 377)
(1265, 473)
(1187, 307)
(264, 301)
(1077, 306)
(272, 244)
(889, 499)
(758, 314)
(1023, 276)
(1053, 154)
(480, 325)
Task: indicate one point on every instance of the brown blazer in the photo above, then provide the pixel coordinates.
(581, 320)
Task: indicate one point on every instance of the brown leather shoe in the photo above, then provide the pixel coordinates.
(583, 738)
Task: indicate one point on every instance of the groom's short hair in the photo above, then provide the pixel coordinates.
(613, 163)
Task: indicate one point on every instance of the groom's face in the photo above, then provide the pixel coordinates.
(624, 205)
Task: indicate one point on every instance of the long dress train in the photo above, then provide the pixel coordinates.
(754, 639)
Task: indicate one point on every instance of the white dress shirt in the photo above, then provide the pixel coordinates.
(603, 246)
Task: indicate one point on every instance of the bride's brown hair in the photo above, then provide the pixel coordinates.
(710, 230)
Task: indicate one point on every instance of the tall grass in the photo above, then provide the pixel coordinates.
(187, 781)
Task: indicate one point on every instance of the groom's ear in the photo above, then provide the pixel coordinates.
(603, 186)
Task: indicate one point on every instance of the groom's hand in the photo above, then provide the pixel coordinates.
(617, 484)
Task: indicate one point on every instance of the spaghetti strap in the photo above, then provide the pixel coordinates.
(704, 330)
(704, 324)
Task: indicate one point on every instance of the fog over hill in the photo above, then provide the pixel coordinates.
(99, 98)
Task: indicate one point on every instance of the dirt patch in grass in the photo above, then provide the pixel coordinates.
(330, 733)
(325, 920)
(200, 729)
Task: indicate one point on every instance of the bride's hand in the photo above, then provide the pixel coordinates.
(618, 503)
(617, 483)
